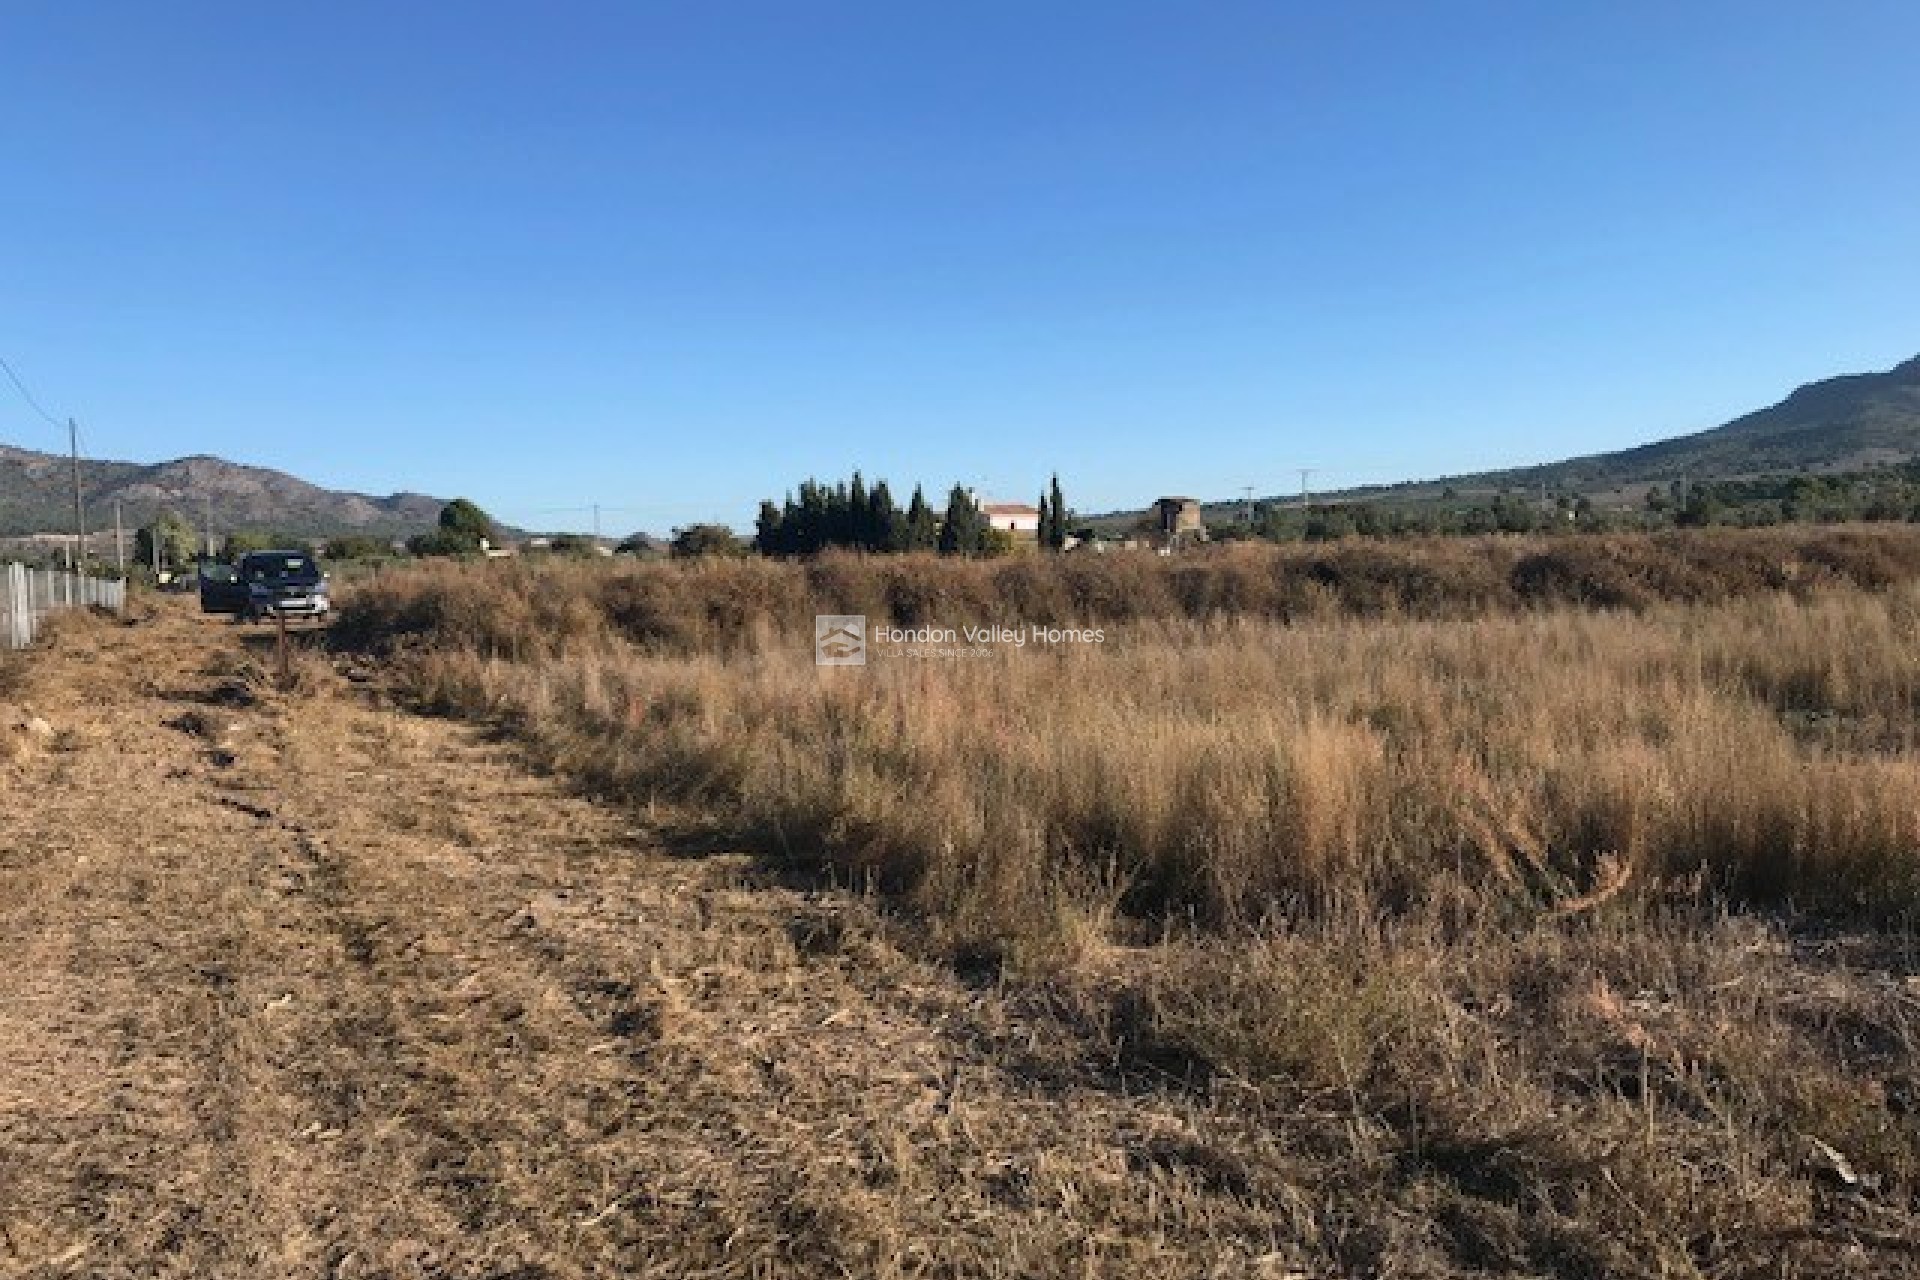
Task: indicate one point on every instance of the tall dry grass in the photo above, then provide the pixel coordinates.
(1426, 868)
(725, 605)
(1227, 766)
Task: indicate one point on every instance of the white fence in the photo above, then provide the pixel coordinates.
(28, 595)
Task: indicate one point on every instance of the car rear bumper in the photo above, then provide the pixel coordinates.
(302, 606)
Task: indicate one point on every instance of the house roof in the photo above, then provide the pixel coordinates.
(1009, 509)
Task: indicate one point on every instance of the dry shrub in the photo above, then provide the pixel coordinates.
(1581, 573)
(512, 611)
(1861, 559)
(725, 604)
(1424, 578)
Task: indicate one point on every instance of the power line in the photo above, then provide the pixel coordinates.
(27, 395)
(583, 509)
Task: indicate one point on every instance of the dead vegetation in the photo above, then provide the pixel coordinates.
(373, 1000)
(1537, 940)
(1514, 907)
(721, 605)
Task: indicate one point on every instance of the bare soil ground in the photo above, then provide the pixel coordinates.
(300, 984)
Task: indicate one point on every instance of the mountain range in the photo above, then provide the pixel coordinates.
(36, 494)
(1848, 423)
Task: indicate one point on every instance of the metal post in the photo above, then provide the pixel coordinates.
(79, 508)
(19, 608)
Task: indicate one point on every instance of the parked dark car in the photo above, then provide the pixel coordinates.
(265, 584)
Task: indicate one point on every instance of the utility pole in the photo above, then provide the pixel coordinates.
(1306, 494)
(79, 507)
(1246, 505)
(596, 522)
(119, 540)
(208, 501)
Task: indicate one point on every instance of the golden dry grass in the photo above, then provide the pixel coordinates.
(1534, 936)
(1231, 765)
(1493, 936)
(299, 985)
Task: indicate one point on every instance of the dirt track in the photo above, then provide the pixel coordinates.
(303, 985)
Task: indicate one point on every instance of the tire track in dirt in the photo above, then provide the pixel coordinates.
(130, 905)
(319, 988)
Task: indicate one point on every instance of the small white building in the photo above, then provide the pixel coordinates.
(1016, 518)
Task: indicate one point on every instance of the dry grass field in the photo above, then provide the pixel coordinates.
(1506, 908)
(1535, 906)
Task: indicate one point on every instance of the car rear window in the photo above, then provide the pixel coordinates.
(281, 566)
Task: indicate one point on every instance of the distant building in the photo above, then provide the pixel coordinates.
(1016, 518)
(1100, 546)
(1179, 517)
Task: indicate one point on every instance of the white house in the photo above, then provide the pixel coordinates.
(1016, 518)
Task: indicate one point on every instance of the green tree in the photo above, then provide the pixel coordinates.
(1053, 529)
(442, 542)
(640, 544)
(769, 528)
(885, 529)
(357, 546)
(175, 539)
(964, 530)
(465, 521)
(573, 544)
(706, 540)
(856, 529)
(241, 541)
(923, 530)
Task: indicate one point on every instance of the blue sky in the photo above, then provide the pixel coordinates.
(674, 257)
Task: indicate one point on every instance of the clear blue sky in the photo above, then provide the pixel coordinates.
(674, 257)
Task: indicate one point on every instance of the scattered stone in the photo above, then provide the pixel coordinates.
(1835, 1166)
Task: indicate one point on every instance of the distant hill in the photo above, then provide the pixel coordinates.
(1849, 423)
(1840, 424)
(36, 495)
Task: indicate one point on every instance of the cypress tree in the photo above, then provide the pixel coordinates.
(962, 532)
(857, 531)
(766, 529)
(922, 529)
(883, 520)
(813, 518)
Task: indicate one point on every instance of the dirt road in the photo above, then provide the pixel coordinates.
(300, 984)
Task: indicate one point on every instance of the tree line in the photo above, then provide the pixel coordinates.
(1886, 493)
(849, 515)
